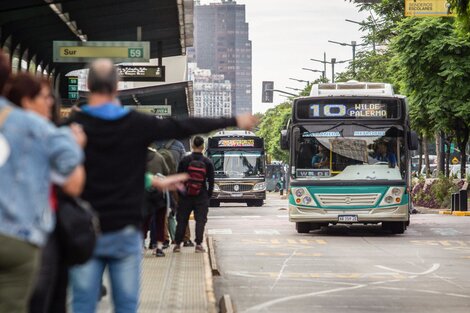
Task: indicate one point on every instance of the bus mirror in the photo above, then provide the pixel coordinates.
(413, 140)
(284, 140)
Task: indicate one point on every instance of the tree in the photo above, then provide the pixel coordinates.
(432, 67)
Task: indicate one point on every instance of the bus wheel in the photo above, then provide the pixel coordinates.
(214, 203)
(395, 227)
(302, 228)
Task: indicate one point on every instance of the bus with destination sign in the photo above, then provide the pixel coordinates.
(240, 166)
(349, 157)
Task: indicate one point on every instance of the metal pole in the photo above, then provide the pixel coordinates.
(353, 44)
(333, 61)
(442, 153)
(324, 64)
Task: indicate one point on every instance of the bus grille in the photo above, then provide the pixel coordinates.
(232, 188)
(366, 199)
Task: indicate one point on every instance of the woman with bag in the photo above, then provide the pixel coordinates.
(49, 295)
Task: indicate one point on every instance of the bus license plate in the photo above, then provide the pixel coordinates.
(347, 218)
(237, 195)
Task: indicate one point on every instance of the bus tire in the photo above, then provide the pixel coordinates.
(214, 203)
(302, 228)
(395, 227)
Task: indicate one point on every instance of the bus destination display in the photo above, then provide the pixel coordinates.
(236, 143)
(372, 109)
(360, 110)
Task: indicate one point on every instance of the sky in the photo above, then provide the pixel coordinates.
(286, 34)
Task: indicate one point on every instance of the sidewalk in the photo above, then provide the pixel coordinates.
(177, 283)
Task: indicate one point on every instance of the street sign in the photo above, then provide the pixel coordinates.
(267, 92)
(142, 73)
(72, 87)
(422, 8)
(455, 160)
(157, 110)
(118, 51)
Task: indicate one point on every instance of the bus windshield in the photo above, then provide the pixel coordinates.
(238, 164)
(367, 155)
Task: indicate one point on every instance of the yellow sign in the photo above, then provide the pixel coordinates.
(455, 160)
(118, 51)
(421, 8)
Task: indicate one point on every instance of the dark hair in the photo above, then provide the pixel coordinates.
(198, 142)
(23, 85)
(5, 70)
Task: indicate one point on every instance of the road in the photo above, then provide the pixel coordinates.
(267, 267)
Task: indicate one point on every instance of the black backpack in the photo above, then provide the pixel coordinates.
(197, 177)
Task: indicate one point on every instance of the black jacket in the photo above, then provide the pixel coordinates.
(116, 154)
(208, 188)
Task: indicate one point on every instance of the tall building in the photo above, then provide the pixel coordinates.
(212, 93)
(222, 45)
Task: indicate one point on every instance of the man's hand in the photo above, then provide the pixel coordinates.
(171, 183)
(78, 134)
(246, 121)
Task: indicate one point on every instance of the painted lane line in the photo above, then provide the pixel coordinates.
(283, 216)
(217, 217)
(433, 268)
(251, 216)
(266, 232)
(427, 291)
(282, 269)
(222, 231)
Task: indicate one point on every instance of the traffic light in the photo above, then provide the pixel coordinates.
(267, 92)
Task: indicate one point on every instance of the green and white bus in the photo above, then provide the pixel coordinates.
(349, 157)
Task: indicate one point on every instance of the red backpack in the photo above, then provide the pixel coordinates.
(197, 177)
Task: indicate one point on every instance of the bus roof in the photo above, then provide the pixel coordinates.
(234, 133)
(352, 88)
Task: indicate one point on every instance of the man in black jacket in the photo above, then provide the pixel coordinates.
(115, 163)
(199, 200)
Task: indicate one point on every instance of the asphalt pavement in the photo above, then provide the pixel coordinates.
(267, 267)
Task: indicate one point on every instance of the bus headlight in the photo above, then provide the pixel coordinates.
(260, 187)
(394, 195)
(216, 188)
(303, 197)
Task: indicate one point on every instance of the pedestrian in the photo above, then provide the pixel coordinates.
(115, 162)
(32, 150)
(200, 186)
(49, 295)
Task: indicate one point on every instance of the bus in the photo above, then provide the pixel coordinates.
(240, 166)
(349, 157)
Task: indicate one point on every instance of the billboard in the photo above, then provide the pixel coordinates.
(421, 8)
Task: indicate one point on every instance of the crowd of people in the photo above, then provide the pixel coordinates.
(108, 156)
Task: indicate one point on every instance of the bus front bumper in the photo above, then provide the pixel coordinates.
(238, 196)
(397, 213)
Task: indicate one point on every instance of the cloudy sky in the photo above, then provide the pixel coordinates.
(286, 33)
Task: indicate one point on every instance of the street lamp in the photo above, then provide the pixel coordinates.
(332, 62)
(365, 24)
(300, 80)
(296, 89)
(315, 71)
(281, 91)
(353, 44)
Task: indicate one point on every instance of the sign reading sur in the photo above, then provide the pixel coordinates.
(118, 51)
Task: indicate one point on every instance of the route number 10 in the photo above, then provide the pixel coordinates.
(329, 110)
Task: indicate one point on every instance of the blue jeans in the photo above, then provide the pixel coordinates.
(121, 251)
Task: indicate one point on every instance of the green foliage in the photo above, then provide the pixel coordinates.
(273, 121)
(462, 8)
(369, 67)
(442, 191)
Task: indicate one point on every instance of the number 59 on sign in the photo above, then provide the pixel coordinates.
(136, 52)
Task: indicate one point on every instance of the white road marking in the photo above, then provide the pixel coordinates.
(220, 231)
(267, 232)
(433, 268)
(283, 216)
(217, 217)
(250, 216)
(282, 269)
(445, 231)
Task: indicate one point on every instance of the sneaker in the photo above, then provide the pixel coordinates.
(166, 245)
(199, 249)
(188, 243)
(159, 253)
(177, 248)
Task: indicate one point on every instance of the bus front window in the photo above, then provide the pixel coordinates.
(238, 164)
(350, 158)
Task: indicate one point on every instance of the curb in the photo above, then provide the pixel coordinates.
(210, 294)
(226, 305)
(212, 258)
(455, 213)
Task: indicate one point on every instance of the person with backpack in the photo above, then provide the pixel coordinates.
(199, 188)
